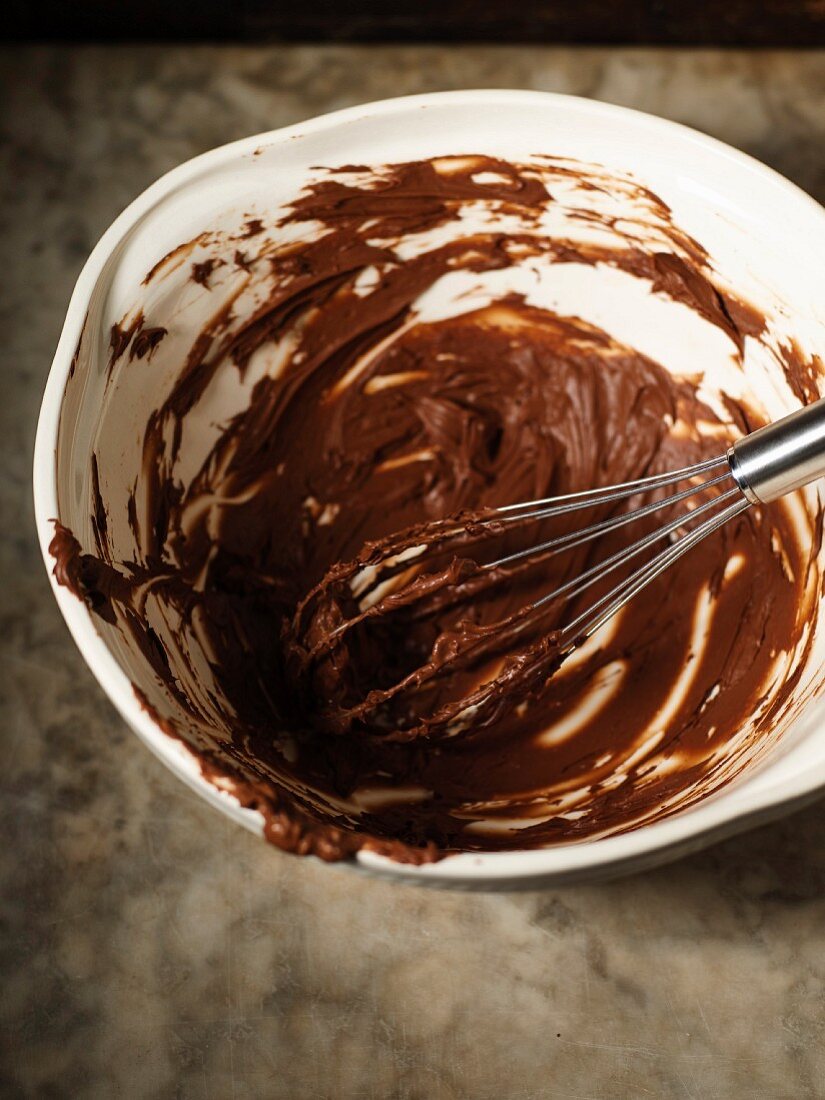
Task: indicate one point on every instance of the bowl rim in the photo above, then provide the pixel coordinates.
(644, 846)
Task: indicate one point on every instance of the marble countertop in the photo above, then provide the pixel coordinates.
(150, 948)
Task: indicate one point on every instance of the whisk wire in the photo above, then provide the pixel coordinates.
(577, 538)
(571, 502)
(603, 609)
(601, 569)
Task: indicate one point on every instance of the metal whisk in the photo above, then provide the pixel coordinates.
(427, 567)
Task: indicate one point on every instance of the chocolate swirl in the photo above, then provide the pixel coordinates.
(369, 417)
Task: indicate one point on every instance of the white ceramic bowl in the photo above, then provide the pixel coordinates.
(764, 233)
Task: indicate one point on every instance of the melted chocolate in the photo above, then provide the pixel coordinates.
(379, 421)
(120, 337)
(202, 271)
(146, 341)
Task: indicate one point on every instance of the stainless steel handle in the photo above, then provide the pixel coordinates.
(781, 457)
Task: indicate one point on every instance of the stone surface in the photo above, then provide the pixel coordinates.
(150, 948)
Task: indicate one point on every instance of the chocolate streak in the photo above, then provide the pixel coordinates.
(378, 421)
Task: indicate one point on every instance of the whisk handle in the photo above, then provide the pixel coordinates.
(782, 456)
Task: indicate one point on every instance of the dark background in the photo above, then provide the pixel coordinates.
(647, 22)
(149, 948)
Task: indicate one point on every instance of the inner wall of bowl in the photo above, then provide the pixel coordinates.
(720, 203)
